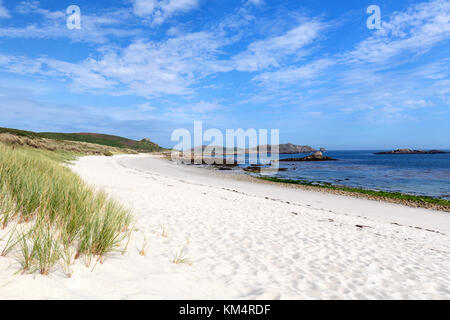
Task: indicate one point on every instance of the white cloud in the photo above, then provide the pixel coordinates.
(52, 24)
(416, 30)
(255, 2)
(149, 68)
(356, 85)
(292, 75)
(146, 107)
(159, 10)
(369, 93)
(84, 77)
(146, 69)
(205, 107)
(270, 52)
(81, 75)
(3, 11)
(158, 68)
(19, 65)
(175, 66)
(33, 7)
(30, 110)
(200, 110)
(143, 112)
(421, 103)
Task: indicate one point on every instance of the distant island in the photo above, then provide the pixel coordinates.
(287, 148)
(411, 151)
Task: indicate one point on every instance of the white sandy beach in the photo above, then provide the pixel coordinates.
(248, 240)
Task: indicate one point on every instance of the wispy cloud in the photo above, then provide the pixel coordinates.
(292, 75)
(205, 107)
(52, 24)
(4, 13)
(157, 11)
(416, 31)
(290, 65)
(366, 80)
(255, 2)
(271, 52)
(202, 110)
(31, 113)
(146, 69)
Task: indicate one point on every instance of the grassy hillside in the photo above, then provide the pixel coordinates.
(59, 146)
(143, 145)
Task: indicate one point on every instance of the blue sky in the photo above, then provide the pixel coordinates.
(142, 68)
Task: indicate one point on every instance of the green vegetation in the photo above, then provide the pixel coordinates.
(57, 217)
(143, 145)
(63, 146)
(20, 133)
(378, 194)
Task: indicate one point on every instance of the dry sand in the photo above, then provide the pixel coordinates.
(248, 240)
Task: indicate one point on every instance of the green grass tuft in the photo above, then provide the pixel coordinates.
(62, 213)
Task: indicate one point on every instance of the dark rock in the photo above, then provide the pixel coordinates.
(259, 169)
(410, 151)
(317, 156)
(222, 168)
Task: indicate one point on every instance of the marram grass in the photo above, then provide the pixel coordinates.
(55, 210)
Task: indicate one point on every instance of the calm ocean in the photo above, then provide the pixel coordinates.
(427, 174)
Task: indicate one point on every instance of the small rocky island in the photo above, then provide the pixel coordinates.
(316, 156)
(411, 151)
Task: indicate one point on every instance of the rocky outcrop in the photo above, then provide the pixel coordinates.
(411, 151)
(317, 156)
(292, 148)
(216, 150)
(286, 148)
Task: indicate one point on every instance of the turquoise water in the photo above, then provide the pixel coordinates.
(427, 174)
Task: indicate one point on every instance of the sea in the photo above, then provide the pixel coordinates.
(415, 174)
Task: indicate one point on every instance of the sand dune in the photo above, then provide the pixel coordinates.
(249, 240)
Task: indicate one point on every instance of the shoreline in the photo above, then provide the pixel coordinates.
(364, 194)
(200, 235)
(413, 201)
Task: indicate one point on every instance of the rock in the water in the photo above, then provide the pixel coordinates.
(316, 156)
(411, 151)
(259, 169)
